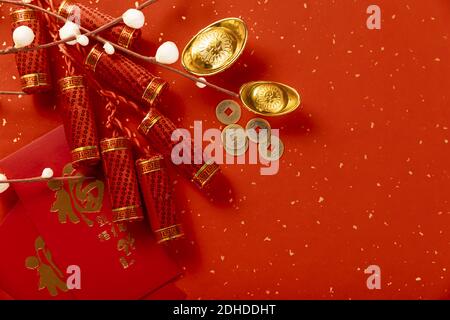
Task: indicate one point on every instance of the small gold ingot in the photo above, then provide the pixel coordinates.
(93, 58)
(169, 233)
(114, 144)
(269, 99)
(23, 15)
(131, 213)
(69, 83)
(34, 80)
(216, 47)
(205, 174)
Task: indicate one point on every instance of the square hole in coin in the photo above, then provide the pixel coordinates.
(228, 111)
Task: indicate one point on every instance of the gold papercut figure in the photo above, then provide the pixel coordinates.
(126, 245)
(63, 203)
(80, 198)
(50, 277)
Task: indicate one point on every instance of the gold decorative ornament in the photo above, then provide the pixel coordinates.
(169, 233)
(234, 137)
(228, 112)
(216, 47)
(272, 151)
(205, 174)
(269, 98)
(23, 15)
(258, 130)
(34, 80)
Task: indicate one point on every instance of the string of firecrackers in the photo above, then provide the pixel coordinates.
(264, 98)
(164, 224)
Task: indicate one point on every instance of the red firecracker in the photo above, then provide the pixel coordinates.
(79, 121)
(157, 192)
(118, 165)
(33, 66)
(158, 130)
(123, 75)
(92, 19)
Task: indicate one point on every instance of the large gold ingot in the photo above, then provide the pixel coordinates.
(216, 47)
(269, 99)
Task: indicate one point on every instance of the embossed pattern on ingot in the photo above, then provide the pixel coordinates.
(79, 121)
(158, 196)
(92, 19)
(33, 66)
(125, 76)
(213, 48)
(118, 166)
(158, 130)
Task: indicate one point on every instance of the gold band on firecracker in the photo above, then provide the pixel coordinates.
(125, 37)
(205, 174)
(65, 8)
(23, 15)
(34, 80)
(153, 90)
(148, 123)
(126, 34)
(93, 58)
(70, 83)
(148, 166)
(114, 144)
(169, 233)
(85, 155)
(132, 213)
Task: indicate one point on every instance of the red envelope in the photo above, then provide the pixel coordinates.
(117, 261)
(29, 268)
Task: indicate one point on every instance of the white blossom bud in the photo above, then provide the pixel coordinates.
(83, 40)
(201, 85)
(109, 49)
(47, 173)
(3, 186)
(167, 53)
(69, 30)
(23, 36)
(134, 18)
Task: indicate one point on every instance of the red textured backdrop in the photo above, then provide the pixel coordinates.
(365, 176)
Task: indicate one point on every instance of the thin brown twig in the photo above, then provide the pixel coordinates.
(40, 179)
(110, 24)
(12, 93)
(130, 52)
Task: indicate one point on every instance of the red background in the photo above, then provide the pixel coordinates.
(365, 176)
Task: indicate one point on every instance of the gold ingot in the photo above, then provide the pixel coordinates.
(215, 48)
(269, 99)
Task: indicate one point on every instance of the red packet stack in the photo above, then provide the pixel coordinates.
(70, 224)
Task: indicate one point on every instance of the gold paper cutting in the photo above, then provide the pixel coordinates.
(50, 277)
(82, 197)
